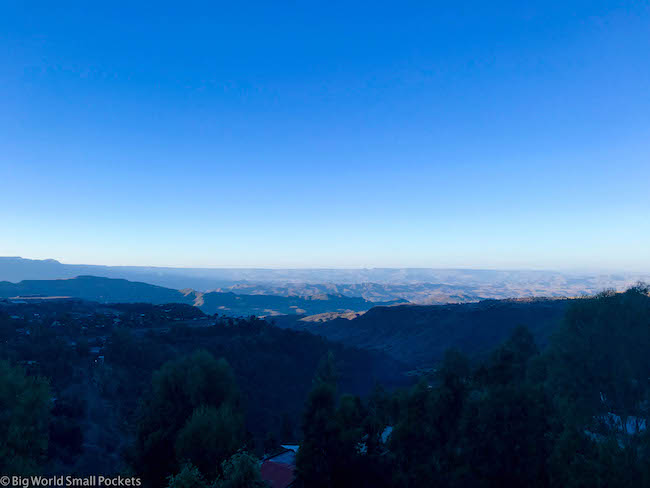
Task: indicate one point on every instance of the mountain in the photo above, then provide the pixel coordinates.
(413, 334)
(108, 290)
(269, 305)
(103, 290)
(416, 285)
(419, 335)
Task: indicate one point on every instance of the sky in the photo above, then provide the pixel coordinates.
(327, 134)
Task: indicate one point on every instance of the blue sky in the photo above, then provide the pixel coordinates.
(487, 134)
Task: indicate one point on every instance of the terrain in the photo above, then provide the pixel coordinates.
(419, 335)
(99, 360)
(416, 285)
(528, 392)
(107, 290)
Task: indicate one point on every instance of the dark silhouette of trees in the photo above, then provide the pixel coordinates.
(599, 361)
(188, 477)
(190, 415)
(24, 420)
(316, 459)
(240, 471)
(573, 414)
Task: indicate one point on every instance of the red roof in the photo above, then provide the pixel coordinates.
(276, 474)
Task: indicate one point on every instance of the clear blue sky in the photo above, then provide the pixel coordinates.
(484, 134)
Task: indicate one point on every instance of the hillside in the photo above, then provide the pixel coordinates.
(425, 286)
(101, 359)
(103, 290)
(269, 305)
(419, 335)
(107, 290)
(414, 334)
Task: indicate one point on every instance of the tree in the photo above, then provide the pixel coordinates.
(24, 420)
(504, 437)
(424, 441)
(240, 471)
(178, 389)
(210, 436)
(188, 477)
(314, 461)
(414, 441)
(599, 361)
(339, 446)
(65, 433)
(508, 364)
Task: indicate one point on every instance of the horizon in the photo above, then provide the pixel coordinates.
(330, 136)
(343, 268)
(325, 244)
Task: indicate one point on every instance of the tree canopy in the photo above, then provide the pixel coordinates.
(24, 420)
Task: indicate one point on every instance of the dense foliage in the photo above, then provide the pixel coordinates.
(24, 420)
(100, 361)
(190, 415)
(573, 415)
(192, 402)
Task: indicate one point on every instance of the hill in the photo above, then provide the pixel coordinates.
(99, 360)
(107, 290)
(269, 305)
(419, 335)
(426, 286)
(103, 290)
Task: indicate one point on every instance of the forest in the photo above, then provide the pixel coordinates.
(199, 402)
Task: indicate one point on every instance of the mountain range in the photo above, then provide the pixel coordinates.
(108, 290)
(453, 313)
(416, 335)
(419, 335)
(416, 285)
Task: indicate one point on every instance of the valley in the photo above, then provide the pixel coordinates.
(424, 286)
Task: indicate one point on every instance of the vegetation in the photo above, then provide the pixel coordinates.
(100, 361)
(240, 471)
(24, 420)
(190, 415)
(573, 415)
(570, 414)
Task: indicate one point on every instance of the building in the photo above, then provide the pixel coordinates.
(279, 470)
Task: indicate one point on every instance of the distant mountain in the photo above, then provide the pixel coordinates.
(416, 285)
(108, 290)
(92, 288)
(419, 335)
(269, 305)
(424, 293)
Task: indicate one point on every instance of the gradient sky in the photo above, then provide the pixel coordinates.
(443, 134)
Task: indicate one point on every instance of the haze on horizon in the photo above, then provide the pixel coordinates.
(503, 135)
(144, 265)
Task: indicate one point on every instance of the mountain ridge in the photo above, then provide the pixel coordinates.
(416, 285)
(117, 290)
(419, 335)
